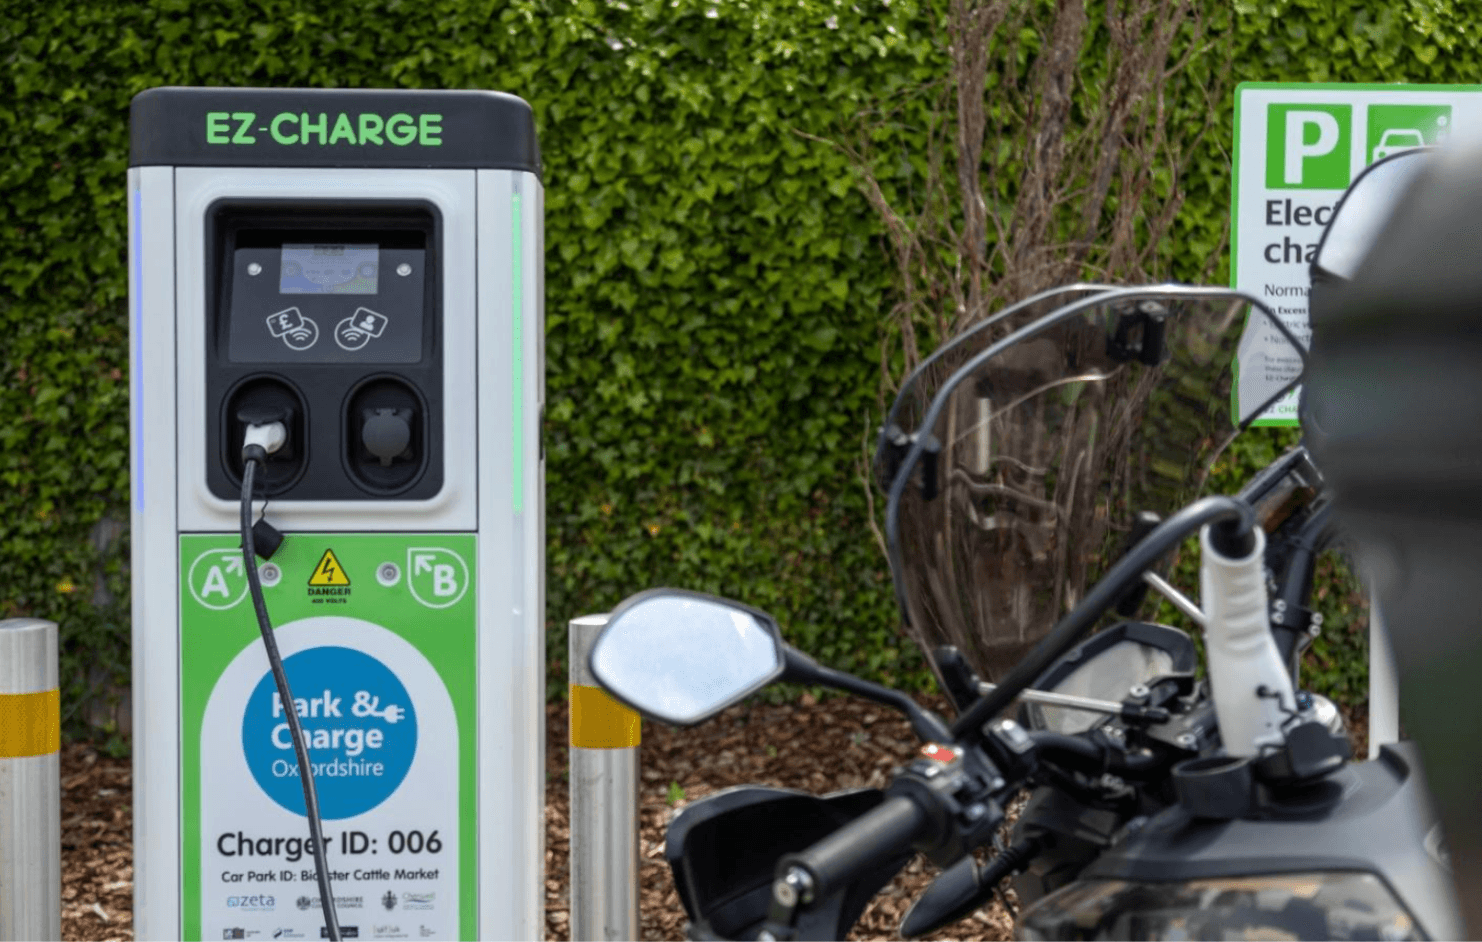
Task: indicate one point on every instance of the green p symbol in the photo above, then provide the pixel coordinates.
(1307, 147)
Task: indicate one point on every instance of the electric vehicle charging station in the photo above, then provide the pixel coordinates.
(367, 268)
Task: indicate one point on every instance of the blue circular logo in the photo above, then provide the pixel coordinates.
(358, 722)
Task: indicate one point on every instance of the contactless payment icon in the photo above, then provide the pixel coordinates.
(293, 328)
(360, 328)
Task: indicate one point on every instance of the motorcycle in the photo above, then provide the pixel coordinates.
(1070, 430)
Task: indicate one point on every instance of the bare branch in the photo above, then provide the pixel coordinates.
(1055, 149)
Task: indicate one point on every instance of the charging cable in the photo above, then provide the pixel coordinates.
(259, 442)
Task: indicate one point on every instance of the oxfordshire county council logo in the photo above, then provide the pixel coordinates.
(304, 902)
(389, 900)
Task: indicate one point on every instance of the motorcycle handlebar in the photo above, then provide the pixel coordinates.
(848, 853)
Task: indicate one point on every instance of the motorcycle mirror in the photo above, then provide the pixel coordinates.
(1363, 210)
(682, 657)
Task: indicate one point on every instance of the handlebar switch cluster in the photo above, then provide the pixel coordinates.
(955, 786)
(1012, 749)
(1013, 737)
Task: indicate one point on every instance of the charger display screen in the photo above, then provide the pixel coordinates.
(317, 268)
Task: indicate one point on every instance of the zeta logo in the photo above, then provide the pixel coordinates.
(1308, 147)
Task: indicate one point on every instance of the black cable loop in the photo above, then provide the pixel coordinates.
(252, 456)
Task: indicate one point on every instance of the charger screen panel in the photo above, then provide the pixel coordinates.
(318, 268)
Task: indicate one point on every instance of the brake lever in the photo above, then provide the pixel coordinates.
(963, 887)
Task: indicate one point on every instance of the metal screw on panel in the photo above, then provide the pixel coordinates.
(403, 269)
(254, 269)
(388, 574)
(270, 574)
(1139, 691)
(1186, 739)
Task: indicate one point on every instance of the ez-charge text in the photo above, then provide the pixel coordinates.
(289, 127)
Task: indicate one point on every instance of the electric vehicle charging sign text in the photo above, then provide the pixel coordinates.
(1297, 148)
(385, 690)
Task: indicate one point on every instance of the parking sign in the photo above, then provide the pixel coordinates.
(1297, 148)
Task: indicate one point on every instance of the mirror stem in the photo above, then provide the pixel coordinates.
(800, 668)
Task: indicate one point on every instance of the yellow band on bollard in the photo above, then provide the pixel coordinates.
(30, 724)
(600, 722)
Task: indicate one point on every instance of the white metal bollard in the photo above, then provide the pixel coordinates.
(604, 737)
(1384, 684)
(30, 781)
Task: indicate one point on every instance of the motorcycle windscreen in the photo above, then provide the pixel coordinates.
(1038, 454)
(923, 383)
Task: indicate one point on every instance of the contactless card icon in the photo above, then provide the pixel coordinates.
(360, 328)
(293, 328)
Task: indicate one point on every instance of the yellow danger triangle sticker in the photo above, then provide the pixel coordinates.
(329, 571)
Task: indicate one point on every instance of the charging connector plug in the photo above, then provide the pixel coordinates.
(259, 441)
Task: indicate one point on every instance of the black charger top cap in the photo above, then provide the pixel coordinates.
(332, 127)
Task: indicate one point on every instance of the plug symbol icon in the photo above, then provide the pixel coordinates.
(367, 704)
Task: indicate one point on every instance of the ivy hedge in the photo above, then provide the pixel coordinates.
(716, 286)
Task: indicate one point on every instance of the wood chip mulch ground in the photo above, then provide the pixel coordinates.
(819, 747)
(97, 845)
